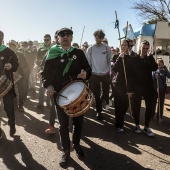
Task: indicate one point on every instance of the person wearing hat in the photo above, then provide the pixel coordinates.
(22, 69)
(8, 65)
(85, 46)
(40, 61)
(63, 64)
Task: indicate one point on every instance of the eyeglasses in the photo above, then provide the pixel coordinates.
(46, 39)
(130, 45)
(62, 34)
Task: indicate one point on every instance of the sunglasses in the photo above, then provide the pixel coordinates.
(98, 37)
(46, 39)
(130, 45)
(62, 34)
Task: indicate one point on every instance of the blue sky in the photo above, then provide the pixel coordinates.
(32, 19)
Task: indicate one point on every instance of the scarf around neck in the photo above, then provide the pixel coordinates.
(45, 47)
(58, 51)
(2, 47)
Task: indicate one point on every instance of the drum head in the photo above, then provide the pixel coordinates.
(72, 92)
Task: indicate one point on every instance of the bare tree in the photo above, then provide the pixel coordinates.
(152, 10)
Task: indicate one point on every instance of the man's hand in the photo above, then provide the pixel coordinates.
(50, 91)
(8, 66)
(82, 75)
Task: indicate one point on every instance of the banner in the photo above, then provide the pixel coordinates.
(130, 33)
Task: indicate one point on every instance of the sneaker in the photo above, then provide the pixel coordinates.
(148, 131)
(64, 158)
(98, 115)
(50, 130)
(107, 107)
(12, 130)
(79, 151)
(0, 133)
(120, 130)
(137, 129)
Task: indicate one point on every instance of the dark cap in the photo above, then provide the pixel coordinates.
(64, 29)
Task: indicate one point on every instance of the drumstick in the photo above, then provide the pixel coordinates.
(61, 95)
(71, 78)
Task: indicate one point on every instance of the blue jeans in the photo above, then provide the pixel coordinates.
(9, 108)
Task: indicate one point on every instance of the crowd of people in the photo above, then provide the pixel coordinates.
(130, 76)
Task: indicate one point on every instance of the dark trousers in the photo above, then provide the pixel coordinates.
(9, 108)
(94, 83)
(137, 106)
(121, 105)
(77, 122)
(161, 99)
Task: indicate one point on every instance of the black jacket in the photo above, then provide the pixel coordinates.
(142, 70)
(53, 69)
(118, 68)
(8, 56)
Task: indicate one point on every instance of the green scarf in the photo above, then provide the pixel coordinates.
(2, 47)
(57, 51)
(45, 47)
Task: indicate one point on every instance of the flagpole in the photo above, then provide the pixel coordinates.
(124, 63)
(118, 28)
(126, 30)
(82, 36)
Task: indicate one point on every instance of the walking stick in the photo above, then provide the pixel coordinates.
(124, 65)
(130, 106)
(158, 100)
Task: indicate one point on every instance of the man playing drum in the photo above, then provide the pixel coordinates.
(8, 65)
(65, 63)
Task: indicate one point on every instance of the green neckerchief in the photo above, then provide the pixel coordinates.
(2, 47)
(45, 47)
(56, 51)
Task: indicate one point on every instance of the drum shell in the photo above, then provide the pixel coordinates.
(5, 85)
(16, 77)
(80, 105)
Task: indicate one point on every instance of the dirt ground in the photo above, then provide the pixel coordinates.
(105, 149)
